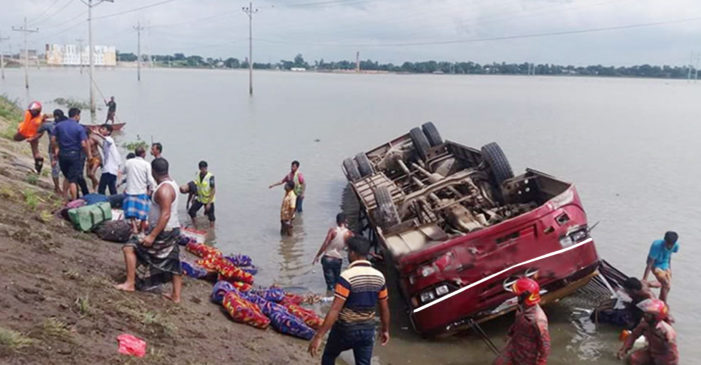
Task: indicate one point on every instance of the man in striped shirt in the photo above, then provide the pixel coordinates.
(351, 318)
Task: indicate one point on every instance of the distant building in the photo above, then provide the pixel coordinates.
(73, 55)
(298, 69)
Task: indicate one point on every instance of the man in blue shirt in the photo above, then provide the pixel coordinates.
(68, 140)
(659, 261)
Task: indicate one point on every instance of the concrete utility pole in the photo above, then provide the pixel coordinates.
(2, 57)
(25, 30)
(91, 54)
(357, 61)
(138, 29)
(80, 53)
(250, 11)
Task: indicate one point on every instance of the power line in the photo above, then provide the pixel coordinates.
(38, 18)
(496, 38)
(25, 30)
(134, 9)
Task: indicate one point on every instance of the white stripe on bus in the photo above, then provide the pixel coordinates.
(480, 281)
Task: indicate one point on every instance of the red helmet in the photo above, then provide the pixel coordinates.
(34, 105)
(655, 307)
(527, 285)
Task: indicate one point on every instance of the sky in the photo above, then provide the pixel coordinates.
(569, 32)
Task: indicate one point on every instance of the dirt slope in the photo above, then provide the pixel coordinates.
(59, 306)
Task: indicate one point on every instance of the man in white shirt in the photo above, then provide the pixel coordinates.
(110, 162)
(139, 180)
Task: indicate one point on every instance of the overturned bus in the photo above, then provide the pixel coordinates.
(460, 228)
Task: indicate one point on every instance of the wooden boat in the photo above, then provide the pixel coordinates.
(116, 127)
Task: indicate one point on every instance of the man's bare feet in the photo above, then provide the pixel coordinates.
(125, 287)
(170, 297)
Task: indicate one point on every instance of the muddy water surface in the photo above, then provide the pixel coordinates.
(631, 146)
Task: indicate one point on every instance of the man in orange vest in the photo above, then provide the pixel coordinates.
(27, 131)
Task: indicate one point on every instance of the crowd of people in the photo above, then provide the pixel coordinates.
(150, 205)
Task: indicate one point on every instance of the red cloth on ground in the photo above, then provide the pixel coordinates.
(131, 345)
(307, 315)
(529, 339)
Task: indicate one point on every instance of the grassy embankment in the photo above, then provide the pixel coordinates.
(59, 304)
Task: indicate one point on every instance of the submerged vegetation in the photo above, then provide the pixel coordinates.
(72, 103)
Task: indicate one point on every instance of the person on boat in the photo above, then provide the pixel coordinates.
(332, 251)
(68, 140)
(28, 131)
(204, 181)
(157, 150)
(49, 127)
(351, 319)
(300, 185)
(111, 109)
(529, 339)
(112, 162)
(660, 335)
(95, 161)
(158, 250)
(288, 208)
(139, 183)
(659, 261)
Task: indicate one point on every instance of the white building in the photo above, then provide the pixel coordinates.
(73, 55)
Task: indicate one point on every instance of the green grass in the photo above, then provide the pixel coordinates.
(10, 111)
(56, 328)
(32, 178)
(31, 199)
(13, 340)
(82, 305)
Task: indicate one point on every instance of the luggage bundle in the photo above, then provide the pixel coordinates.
(243, 311)
(114, 231)
(88, 217)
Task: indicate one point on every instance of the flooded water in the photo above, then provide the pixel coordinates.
(631, 146)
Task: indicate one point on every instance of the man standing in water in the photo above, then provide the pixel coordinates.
(351, 318)
(28, 131)
(287, 210)
(332, 250)
(111, 109)
(158, 250)
(139, 180)
(204, 181)
(300, 185)
(529, 339)
(659, 261)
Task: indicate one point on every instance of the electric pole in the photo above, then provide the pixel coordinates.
(25, 31)
(138, 29)
(91, 54)
(80, 53)
(250, 11)
(357, 61)
(2, 57)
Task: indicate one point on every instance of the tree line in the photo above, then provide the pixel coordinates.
(473, 68)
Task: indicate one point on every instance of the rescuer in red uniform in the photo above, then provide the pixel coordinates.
(529, 339)
(661, 337)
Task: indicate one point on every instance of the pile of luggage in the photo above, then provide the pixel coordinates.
(260, 307)
(99, 214)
